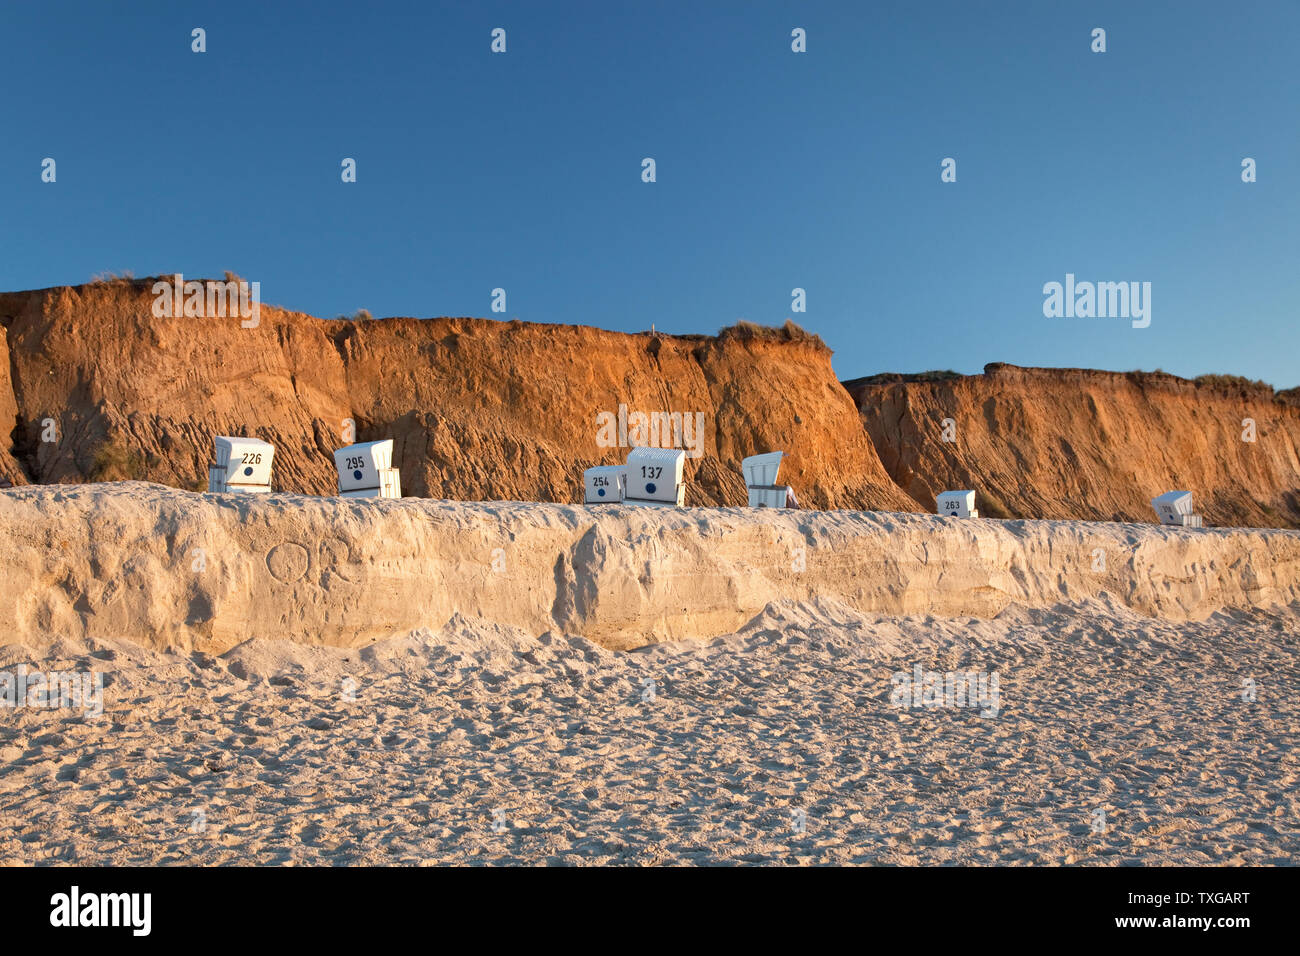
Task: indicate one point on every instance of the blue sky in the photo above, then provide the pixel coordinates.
(775, 170)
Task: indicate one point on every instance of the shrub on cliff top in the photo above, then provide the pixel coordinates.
(790, 332)
(898, 378)
(112, 278)
(1233, 381)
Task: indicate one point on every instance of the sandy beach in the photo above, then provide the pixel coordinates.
(1114, 735)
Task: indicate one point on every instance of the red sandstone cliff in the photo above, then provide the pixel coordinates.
(478, 409)
(1074, 443)
(482, 409)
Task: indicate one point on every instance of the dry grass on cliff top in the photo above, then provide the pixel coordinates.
(747, 331)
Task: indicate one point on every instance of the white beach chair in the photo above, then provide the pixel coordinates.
(1175, 508)
(760, 473)
(604, 484)
(242, 465)
(956, 504)
(655, 477)
(366, 470)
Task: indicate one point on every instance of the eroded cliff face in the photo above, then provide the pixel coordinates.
(93, 386)
(10, 470)
(478, 409)
(1072, 443)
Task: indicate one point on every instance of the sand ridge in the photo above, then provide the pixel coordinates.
(179, 570)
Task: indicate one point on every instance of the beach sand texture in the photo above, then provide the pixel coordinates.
(402, 701)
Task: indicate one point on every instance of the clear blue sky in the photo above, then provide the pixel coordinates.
(775, 169)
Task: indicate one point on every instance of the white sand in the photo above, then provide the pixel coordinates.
(1100, 709)
(1103, 706)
